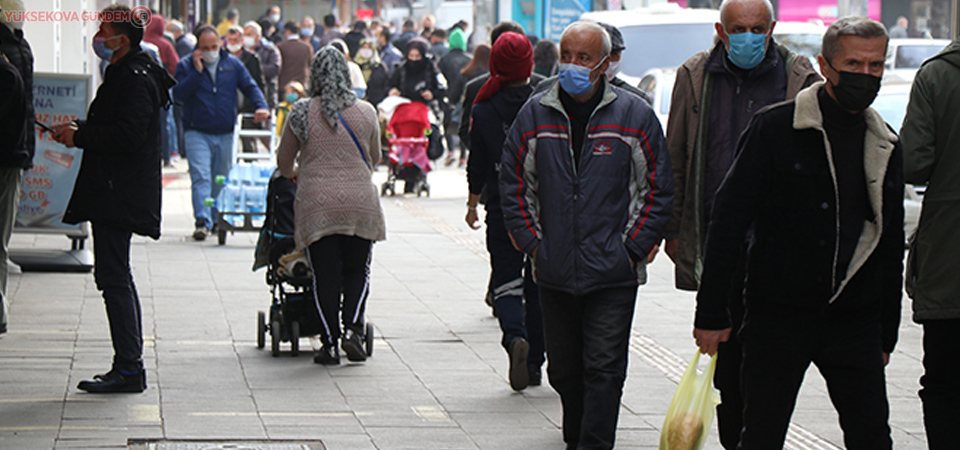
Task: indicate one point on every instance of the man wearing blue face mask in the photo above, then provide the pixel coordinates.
(586, 190)
(715, 95)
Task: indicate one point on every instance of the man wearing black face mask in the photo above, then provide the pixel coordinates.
(819, 180)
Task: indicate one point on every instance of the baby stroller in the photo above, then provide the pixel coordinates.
(409, 133)
(293, 310)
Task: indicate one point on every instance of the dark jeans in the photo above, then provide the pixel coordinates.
(777, 352)
(111, 271)
(588, 337)
(940, 392)
(340, 265)
(516, 298)
(729, 359)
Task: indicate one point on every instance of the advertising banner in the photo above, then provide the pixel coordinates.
(561, 13)
(46, 188)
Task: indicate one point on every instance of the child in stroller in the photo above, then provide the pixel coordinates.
(293, 310)
(409, 133)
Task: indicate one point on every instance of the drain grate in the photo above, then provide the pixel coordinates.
(224, 445)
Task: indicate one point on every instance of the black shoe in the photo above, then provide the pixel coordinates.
(201, 233)
(115, 382)
(328, 355)
(352, 345)
(3, 328)
(519, 376)
(535, 377)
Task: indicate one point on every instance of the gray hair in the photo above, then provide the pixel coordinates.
(256, 26)
(723, 10)
(586, 25)
(235, 29)
(176, 25)
(850, 26)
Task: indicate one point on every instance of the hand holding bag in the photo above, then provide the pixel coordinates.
(691, 411)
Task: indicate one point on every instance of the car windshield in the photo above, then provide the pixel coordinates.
(646, 49)
(912, 56)
(807, 44)
(892, 107)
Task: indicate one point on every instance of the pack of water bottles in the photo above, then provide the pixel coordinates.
(244, 191)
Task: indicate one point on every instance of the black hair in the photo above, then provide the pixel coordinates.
(359, 25)
(205, 28)
(232, 13)
(291, 27)
(440, 33)
(133, 31)
(329, 21)
(503, 27)
(386, 33)
(409, 24)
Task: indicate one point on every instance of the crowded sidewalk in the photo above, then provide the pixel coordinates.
(437, 378)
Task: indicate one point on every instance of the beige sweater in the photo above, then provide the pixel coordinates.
(335, 194)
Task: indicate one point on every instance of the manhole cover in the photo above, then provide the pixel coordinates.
(224, 445)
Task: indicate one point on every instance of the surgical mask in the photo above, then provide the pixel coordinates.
(613, 69)
(100, 48)
(210, 57)
(249, 42)
(306, 32)
(365, 53)
(574, 79)
(233, 48)
(855, 91)
(291, 97)
(746, 49)
(275, 18)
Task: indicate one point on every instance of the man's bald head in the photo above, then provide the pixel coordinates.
(732, 9)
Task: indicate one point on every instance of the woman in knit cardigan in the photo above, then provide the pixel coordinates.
(327, 146)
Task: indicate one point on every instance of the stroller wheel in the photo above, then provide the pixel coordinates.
(368, 338)
(294, 338)
(275, 338)
(261, 329)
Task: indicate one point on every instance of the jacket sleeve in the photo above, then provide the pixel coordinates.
(655, 178)
(373, 144)
(271, 64)
(890, 249)
(736, 204)
(470, 92)
(287, 152)
(477, 161)
(681, 101)
(188, 80)
(518, 183)
(918, 135)
(249, 87)
(127, 132)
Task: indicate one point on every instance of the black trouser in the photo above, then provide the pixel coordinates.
(340, 264)
(727, 376)
(777, 352)
(515, 296)
(587, 338)
(111, 271)
(940, 392)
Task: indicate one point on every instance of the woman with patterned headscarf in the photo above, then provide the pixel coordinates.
(329, 143)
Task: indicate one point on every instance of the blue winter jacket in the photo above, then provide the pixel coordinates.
(588, 227)
(213, 109)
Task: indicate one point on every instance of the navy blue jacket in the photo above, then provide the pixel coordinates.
(213, 109)
(492, 119)
(587, 226)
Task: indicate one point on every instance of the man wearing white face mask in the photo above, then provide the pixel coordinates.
(744, 72)
(207, 84)
(249, 59)
(254, 41)
(586, 191)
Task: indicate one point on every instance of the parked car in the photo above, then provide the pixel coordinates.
(802, 37)
(658, 85)
(904, 56)
(664, 35)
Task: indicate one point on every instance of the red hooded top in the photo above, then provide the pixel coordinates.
(154, 35)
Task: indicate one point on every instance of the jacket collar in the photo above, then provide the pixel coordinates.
(878, 146)
(552, 97)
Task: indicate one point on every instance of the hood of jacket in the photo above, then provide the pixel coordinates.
(155, 27)
(508, 101)
(950, 54)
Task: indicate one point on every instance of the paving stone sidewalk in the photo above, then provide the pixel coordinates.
(437, 379)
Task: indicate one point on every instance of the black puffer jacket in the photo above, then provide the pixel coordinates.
(119, 179)
(17, 50)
